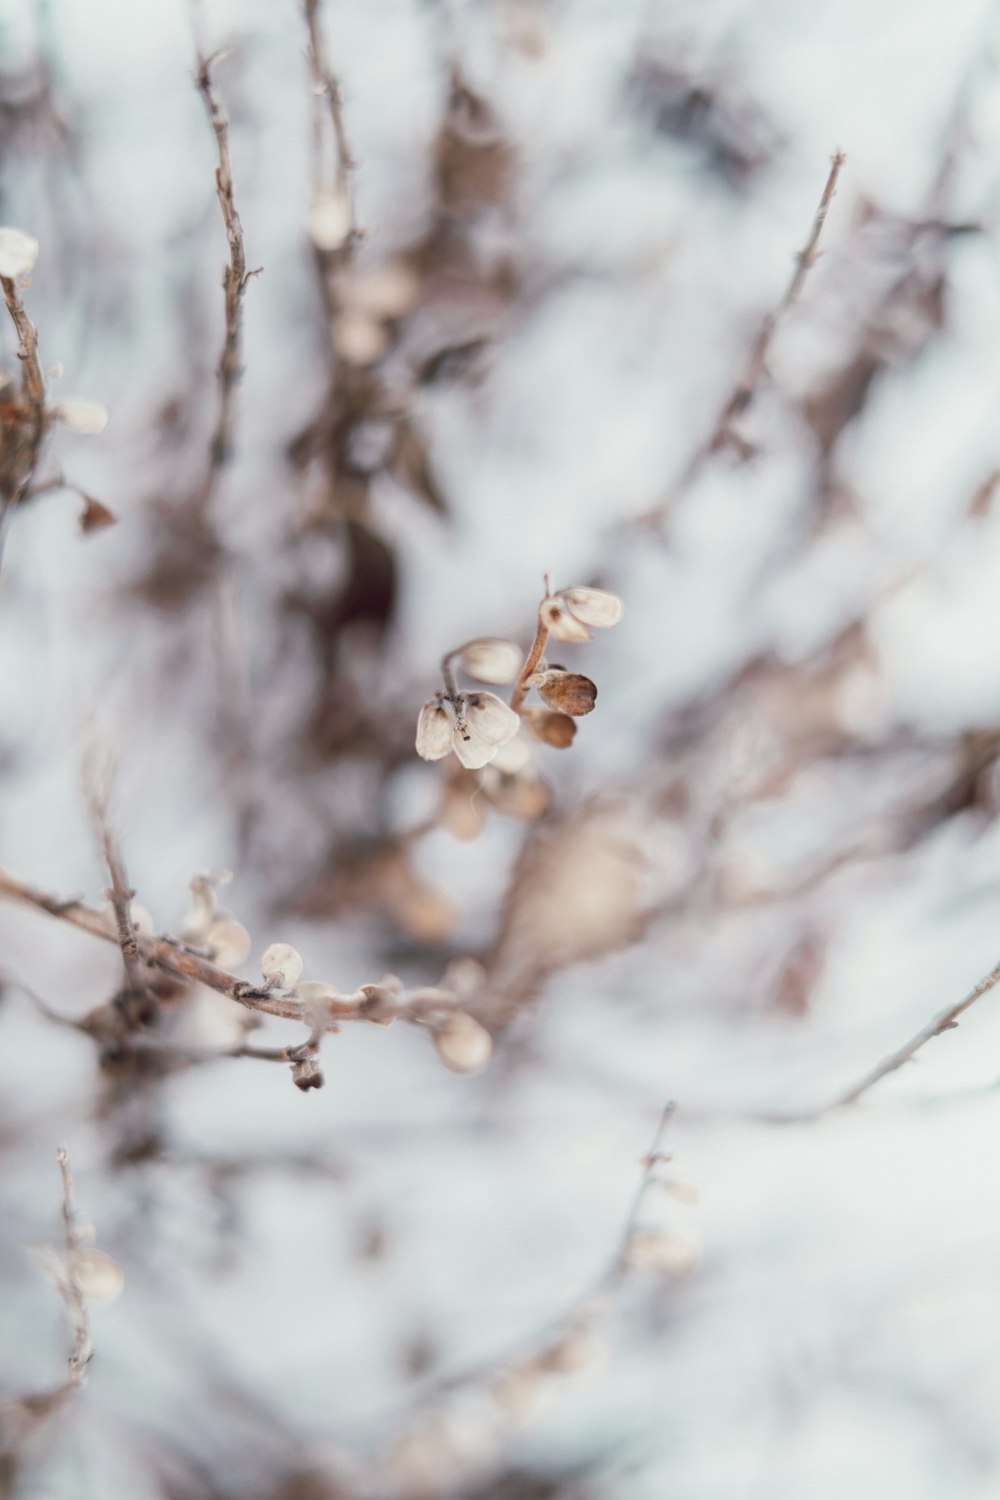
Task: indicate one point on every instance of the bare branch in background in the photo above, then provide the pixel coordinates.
(80, 1274)
(723, 434)
(22, 424)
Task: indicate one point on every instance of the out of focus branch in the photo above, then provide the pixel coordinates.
(17, 470)
(722, 434)
(945, 1020)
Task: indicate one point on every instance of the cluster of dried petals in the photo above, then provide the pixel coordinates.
(473, 725)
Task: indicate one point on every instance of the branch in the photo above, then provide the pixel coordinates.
(722, 434)
(234, 283)
(375, 1003)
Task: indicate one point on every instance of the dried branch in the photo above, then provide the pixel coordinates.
(234, 283)
(945, 1020)
(376, 1003)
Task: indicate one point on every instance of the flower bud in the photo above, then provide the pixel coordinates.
(282, 963)
(594, 606)
(95, 1275)
(81, 415)
(491, 660)
(435, 728)
(462, 1044)
(18, 252)
(569, 692)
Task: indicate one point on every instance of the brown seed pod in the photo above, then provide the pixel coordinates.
(568, 692)
(549, 726)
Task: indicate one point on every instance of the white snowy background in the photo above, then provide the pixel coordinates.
(835, 1331)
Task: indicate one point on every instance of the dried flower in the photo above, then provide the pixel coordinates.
(568, 692)
(283, 964)
(95, 1275)
(18, 252)
(568, 613)
(462, 1044)
(81, 415)
(490, 660)
(482, 723)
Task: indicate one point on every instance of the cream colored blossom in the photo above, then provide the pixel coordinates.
(473, 725)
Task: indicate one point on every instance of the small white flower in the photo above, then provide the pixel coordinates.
(474, 725)
(568, 613)
(282, 963)
(81, 415)
(18, 252)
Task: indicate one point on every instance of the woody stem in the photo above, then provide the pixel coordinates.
(531, 661)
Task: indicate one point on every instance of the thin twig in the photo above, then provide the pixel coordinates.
(234, 283)
(754, 371)
(76, 1307)
(621, 1264)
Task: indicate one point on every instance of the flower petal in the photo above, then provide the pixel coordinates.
(568, 692)
(562, 624)
(594, 606)
(490, 718)
(472, 750)
(435, 727)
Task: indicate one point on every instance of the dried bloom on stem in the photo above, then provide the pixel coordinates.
(281, 965)
(474, 725)
(491, 660)
(568, 692)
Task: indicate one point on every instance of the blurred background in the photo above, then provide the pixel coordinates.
(536, 323)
